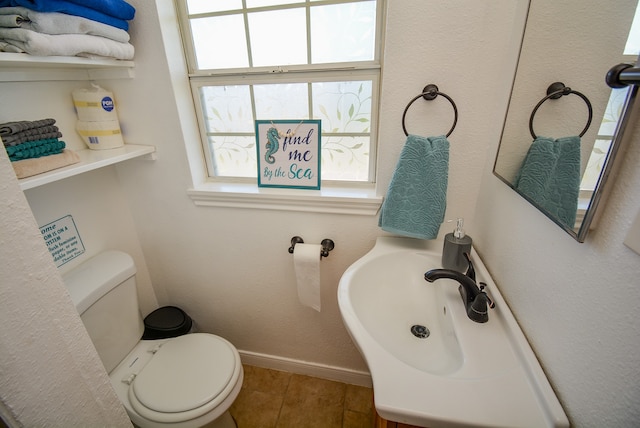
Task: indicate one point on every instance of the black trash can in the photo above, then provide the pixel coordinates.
(166, 322)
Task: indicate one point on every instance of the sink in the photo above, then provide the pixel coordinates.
(389, 303)
(430, 364)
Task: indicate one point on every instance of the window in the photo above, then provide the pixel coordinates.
(284, 59)
(611, 115)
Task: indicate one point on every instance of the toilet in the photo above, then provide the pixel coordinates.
(186, 381)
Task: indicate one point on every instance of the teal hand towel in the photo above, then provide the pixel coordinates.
(550, 177)
(417, 196)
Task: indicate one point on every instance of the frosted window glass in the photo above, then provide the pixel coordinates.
(613, 111)
(282, 101)
(204, 6)
(345, 158)
(227, 108)
(233, 156)
(595, 164)
(278, 37)
(343, 106)
(220, 42)
(343, 32)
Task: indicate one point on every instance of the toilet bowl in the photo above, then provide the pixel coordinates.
(185, 381)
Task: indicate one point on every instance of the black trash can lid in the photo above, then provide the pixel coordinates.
(165, 322)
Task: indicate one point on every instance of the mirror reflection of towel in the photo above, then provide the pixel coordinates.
(550, 177)
(417, 196)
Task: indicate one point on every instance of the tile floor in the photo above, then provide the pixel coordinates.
(276, 399)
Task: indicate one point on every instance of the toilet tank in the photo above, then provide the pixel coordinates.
(103, 290)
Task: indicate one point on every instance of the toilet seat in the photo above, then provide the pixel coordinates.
(187, 377)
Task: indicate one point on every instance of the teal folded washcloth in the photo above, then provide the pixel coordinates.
(417, 196)
(550, 177)
(35, 149)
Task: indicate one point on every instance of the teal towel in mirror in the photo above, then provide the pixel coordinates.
(417, 196)
(550, 177)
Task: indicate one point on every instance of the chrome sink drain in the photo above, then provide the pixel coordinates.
(420, 331)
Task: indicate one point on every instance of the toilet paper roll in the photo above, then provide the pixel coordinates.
(306, 262)
(100, 135)
(94, 105)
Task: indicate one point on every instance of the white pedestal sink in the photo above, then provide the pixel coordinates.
(463, 373)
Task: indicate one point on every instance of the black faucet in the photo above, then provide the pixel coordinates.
(474, 297)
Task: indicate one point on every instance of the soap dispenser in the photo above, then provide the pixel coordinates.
(455, 245)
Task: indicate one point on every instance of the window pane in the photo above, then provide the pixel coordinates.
(343, 106)
(220, 42)
(345, 158)
(633, 42)
(282, 101)
(260, 3)
(613, 111)
(204, 6)
(595, 164)
(227, 109)
(343, 32)
(278, 37)
(233, 156)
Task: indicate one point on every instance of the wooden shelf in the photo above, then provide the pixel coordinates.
(21, 67)
(89, 161)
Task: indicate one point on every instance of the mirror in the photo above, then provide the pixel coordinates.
(573, 42)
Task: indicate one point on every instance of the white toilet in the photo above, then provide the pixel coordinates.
(185, 381)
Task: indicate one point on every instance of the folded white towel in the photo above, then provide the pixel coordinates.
(58, 23)
(84, 45)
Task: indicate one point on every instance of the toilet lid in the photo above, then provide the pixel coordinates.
(186, 372)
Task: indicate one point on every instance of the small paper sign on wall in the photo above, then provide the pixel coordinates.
(63, 240)
(288, 153)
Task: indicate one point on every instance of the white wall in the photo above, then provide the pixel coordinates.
(230, 269)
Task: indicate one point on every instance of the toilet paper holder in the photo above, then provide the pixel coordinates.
(326, 244)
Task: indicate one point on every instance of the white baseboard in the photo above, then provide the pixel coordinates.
(353, 377)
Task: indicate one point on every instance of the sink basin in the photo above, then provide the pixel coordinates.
(430, 364)
(389, 303)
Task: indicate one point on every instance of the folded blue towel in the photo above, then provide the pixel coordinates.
(550, 177)
(111, 12)
(417, 196)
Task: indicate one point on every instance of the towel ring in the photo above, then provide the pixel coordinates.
(430, 92)
(557, 90)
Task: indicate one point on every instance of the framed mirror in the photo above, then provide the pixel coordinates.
(557, 150)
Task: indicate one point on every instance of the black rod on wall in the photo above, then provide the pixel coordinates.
(622, 75)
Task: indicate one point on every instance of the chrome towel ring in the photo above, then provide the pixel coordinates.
(557, 90)
(430, 92)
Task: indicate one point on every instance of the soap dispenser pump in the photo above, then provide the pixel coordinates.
(455, 245)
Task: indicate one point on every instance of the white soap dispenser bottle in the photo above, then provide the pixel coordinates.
(455, 245)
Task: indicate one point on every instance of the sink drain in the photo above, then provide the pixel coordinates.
(420, 331)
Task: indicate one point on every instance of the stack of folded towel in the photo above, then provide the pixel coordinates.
(34, 147)
(87, 28)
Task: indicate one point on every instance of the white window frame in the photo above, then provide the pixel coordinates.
(335, 196)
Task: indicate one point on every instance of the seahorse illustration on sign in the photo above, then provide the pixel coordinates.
(272, 145)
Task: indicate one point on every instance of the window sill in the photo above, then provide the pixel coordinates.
(330, 200)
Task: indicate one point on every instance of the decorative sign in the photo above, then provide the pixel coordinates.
(63, 240)
(288, 153)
